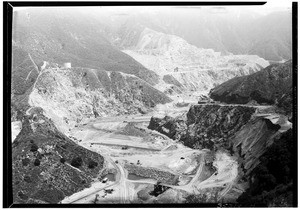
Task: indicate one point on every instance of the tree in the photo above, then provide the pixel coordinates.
(62, 160)
(25, 161)
(76, 162)
(34, 148)
(37, 162)
(92, 164)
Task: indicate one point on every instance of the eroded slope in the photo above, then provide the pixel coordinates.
(186, 67)
(73, 96)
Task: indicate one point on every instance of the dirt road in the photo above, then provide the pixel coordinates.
(122, 183)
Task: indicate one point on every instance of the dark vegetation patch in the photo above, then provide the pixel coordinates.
(272, 180)
(215, 127)
(62, 160)
(206, 126)
(272, 85)
(211, 126)
(169, 126)
(158, 189)
(49, 195)
(22, 195)
(25, 161)
(41, 173)
(76, 162)
(92, 164)
(160, 176)
(33, 147)
(37, 162)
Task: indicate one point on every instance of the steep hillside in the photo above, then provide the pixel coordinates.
(214, 127)
(244, 133)
(71, 96)
(65, 35)
(270, 187)
(266, 86)
(186, 66)
(47, 166)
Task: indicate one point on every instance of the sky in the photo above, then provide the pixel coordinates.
(270, 6)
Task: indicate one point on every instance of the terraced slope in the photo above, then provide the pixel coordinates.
(184, 67)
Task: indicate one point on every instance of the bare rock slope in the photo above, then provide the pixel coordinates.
(185, 67)
(71, 96)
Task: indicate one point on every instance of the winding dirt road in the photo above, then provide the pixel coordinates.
(122, 183)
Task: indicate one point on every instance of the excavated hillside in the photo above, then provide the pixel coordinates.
(238, 129)
(270, 85)
(47, 165)
(184, 67)
(72, 96)
(260, 139)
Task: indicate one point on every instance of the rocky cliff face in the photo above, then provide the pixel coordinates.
(187, 67)
(266, 86)
(235, 128)
(47, 165)
(260, 143)
(71, 96)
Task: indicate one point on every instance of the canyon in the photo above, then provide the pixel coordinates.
(101, 117)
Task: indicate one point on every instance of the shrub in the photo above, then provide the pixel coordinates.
(34, 148)
(62, 160)
(92, 164)
(22, 195)
(76, 162)
(25, 161)
(37, 162)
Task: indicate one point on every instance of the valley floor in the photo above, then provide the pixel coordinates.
(175, 166)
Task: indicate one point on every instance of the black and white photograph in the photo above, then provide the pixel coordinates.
(163, 105)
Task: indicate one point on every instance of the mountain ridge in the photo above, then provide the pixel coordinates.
(191, 68)
(266, 86)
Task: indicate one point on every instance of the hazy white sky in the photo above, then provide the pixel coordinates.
(270, 6)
